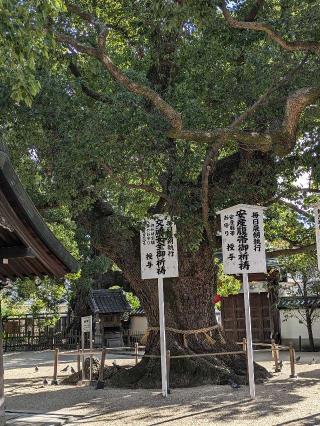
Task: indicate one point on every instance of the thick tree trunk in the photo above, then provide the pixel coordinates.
(310, 332)
(188, 307)
(273, 293)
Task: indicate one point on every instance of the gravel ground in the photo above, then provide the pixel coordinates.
(280, 401)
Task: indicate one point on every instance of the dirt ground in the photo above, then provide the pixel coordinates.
(280, 401)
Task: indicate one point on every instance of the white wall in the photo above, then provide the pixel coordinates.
(291, 329)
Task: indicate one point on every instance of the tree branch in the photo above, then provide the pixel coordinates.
(259, 141)
(281, 141)
(85, 16)
(296, 208)
(206, 169)
(296, 103)
(80, 47)
(86, 89)
(312, 190)
(169, 113)
(254, 10)
(292, 46)
(266, 96)
(93, 20)
(143, 187)
(293, 243)
(291, 251)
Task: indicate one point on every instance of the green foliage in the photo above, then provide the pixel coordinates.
(305, 265)
(35, 296)
(23, 43)
(132, 300)
(10, 307)
(227, 284)
(285, 228)
(64, 143)
(304, 271)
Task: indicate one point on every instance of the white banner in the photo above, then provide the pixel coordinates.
(159, 254)
(243, 245)
(317, 228)
(86, 324)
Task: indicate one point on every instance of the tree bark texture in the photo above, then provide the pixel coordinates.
(273, 278)
(188, 307)
(310, 332)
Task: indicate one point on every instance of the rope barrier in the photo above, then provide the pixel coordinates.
(184, 333)
(267, 345)
(198, 355)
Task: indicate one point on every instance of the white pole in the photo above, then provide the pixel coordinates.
(162, 339)
(82, 346)
(90, 335)
(246, 295)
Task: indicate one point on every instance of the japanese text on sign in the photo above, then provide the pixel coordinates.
(159, 256)
(86, 324)
(243, 246)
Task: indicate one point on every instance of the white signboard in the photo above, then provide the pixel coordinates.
(86, 324)
(243, 245)
(159, 255)
(317, 227)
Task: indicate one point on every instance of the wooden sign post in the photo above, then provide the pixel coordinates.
(86, 327)
(159, 259)
(243, 250)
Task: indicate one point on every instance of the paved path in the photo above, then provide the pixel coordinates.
(281, 401)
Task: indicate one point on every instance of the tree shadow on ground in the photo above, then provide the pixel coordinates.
(14, 385)
(312, 420)
(313, 374)
(205, 403)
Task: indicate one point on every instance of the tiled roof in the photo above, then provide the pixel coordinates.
(298, 302)
(108, 301)
(137, 312)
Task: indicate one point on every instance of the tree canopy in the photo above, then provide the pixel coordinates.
(120, 109)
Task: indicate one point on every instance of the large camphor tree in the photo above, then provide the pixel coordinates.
(130, 108)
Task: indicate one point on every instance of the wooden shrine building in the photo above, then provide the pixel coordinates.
(265, 318)
(107, 308)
